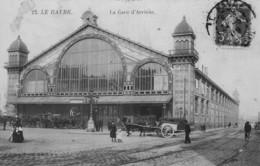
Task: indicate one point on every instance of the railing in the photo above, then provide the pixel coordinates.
(13, 64)
(183, 52)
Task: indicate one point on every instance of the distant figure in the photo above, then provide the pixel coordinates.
(119, 136)
(4, 123)
(203, 127)
(229, 124)
(100, 122)
(112, 129)
(12, 135)
(247, 129)
(97, 125)
(187, 132)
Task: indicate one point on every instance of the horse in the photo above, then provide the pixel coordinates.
(132, 127)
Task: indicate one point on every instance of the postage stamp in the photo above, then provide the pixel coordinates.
(232, 20)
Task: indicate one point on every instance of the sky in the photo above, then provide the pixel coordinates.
(230, 67)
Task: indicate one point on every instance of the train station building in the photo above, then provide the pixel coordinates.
(127, 78)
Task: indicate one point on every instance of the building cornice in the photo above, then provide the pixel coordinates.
(215, 85)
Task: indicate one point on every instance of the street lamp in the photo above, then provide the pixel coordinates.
(91, 97)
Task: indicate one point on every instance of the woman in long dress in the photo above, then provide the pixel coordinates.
(113, 132)
(17, 134)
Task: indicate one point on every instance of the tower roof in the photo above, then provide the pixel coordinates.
(183, 28)
(18, 45)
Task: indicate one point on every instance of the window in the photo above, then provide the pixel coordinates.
(202, 107)
(177, 45)
(90, 64)
(186, 44)
(151, 76)
(196, 105)
(196, 83)
(207, 107)
(35, 82)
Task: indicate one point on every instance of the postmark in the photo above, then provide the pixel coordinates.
(230, 22)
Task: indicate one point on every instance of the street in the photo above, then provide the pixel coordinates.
(77, 147)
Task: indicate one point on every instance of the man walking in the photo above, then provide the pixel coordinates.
(247, 129)
(187, 132)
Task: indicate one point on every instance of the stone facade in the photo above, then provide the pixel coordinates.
(191, 94)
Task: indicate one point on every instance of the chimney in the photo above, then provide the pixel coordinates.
(206, 71)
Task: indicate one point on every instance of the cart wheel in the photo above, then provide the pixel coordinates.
(167, 131)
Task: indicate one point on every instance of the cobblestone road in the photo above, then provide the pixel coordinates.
(249, 155)
(77, 147)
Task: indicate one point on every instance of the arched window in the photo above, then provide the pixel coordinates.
(90, 64)
(177, 45)
(35, 82)
(151, 76)
(186, 44)
(182, 45)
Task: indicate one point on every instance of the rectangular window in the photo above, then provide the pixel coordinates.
(207, 108)
(202, 107)
(196, 83)
(196, 105)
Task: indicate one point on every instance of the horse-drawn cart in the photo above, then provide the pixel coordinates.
(165, 129)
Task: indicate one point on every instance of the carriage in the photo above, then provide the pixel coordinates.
(165, 127)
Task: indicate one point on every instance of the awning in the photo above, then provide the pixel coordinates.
(101, 100)
(134, 99)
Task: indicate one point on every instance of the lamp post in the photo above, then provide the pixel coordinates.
(91, 97)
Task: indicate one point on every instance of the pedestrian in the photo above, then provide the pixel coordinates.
(142, 128)
(97, 125)
(17, 134)
(204, 127)
(112, 129)
(4, 123)
(187, 132)
(12, 134)
(119, 136)
(247, 130)
(100, 122)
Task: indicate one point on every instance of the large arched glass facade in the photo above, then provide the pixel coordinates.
(90, 65)
(151, 77)
(35, 82)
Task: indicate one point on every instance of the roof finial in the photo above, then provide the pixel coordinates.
(88, 17)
